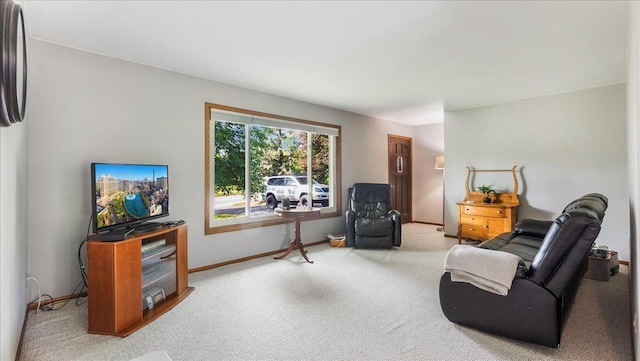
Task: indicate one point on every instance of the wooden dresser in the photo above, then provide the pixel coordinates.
(480, 221)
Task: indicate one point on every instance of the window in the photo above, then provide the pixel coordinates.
(253, 161)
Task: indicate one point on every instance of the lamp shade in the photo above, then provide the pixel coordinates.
(440, 162)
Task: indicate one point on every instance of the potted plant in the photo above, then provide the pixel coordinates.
(486, 190)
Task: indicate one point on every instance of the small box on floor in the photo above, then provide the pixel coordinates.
(613, 263)
(602, 268)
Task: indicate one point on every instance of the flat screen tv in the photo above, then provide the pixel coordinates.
(128, 195)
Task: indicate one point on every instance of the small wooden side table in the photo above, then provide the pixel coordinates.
(297, 214)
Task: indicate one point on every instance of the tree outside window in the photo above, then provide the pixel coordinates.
(248, 148)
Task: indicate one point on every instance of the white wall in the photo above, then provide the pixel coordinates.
(428, 143)
(89, 108)
(13, 236)
(633, 134)
(565, 145)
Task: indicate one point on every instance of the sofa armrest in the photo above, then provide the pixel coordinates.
(350, 231)
(533, 227)
(396, 217)
(529, 313)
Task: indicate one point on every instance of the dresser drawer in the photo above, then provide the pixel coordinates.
(473, 230)
(484, 211)
(473, 220)
(480, 221)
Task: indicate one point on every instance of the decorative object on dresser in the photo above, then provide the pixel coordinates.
(479, 220)
(486, 190)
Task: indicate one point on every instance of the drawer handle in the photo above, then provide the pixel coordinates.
(485, 226)
(499, 212)
(473, 219)
(468, 209)
(472, 229)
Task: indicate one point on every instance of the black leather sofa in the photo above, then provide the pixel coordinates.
(370, 221)
(555, 255)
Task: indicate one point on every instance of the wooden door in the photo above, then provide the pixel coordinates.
(400, 161)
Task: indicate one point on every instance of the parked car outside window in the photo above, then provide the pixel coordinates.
(294, 187)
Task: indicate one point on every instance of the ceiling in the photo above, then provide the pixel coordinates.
(406, 62)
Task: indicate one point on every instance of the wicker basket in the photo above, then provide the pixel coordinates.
(337, 240)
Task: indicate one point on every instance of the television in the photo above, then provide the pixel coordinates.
(128, 196)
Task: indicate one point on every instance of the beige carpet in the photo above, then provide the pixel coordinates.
(349, 305)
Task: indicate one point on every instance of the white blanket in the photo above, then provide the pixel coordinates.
(487, 269)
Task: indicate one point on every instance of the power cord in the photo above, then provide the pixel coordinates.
(52, 302)
(83, 267)
(39, 293)
(82, 285)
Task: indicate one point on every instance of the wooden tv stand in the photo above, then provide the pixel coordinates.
(119, 271)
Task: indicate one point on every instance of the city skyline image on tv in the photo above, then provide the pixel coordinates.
(126, 193)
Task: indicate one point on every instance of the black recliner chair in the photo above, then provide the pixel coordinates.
(370, 221)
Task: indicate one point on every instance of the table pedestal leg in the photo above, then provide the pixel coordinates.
(296, 243)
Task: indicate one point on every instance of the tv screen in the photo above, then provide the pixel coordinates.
(126, 195)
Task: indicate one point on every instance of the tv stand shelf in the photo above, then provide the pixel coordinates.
(118, 274)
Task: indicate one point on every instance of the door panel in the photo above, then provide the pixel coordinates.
(400, 162)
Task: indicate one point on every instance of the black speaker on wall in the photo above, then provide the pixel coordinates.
(13, 73)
